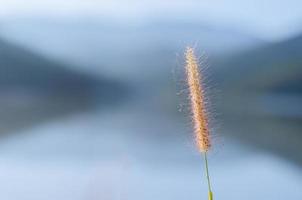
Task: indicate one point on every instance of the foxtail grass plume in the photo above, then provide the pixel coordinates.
(196, 96)
(199, 115)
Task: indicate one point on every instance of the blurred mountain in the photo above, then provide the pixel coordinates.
(280, 61)
(125, 50)
(34, 89)
(262, 94)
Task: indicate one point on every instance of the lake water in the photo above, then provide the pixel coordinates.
(107, 155)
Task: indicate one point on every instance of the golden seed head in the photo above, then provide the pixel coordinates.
(196, 94)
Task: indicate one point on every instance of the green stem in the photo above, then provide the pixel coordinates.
(208, 176)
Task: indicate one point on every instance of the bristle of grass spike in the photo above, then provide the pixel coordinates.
(196, 95)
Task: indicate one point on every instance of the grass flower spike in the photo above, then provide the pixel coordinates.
(197, 102)
(199, 115)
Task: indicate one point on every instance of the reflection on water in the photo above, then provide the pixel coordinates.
(106, 155)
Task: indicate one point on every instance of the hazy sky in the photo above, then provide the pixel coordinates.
(268, 19)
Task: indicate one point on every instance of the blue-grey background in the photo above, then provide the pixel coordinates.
(93, 99)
